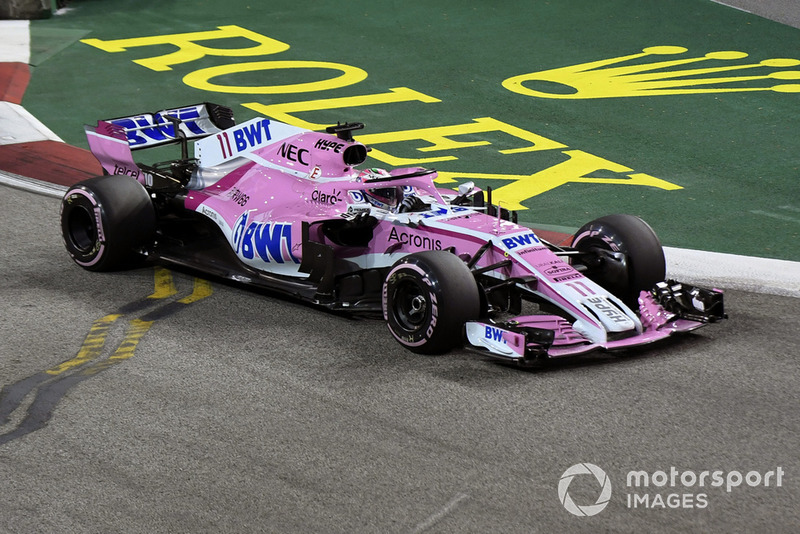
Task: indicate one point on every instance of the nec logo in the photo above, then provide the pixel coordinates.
(495, 334)
(524, 240)
(293, 153)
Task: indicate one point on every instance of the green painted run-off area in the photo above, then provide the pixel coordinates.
(697, 134)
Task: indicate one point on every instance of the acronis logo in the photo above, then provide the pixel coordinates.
(269, 242)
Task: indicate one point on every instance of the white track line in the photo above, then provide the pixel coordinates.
(16, 47)
(29, 184)
(760, 275)
(435, 518)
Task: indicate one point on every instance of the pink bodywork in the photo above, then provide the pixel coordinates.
(260, 189)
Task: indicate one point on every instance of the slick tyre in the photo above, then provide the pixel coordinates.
(642, 264)
(427, 298)
(106, 222)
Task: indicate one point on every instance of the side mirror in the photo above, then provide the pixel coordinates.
(466, 188)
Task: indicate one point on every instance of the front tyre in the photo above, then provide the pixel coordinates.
(640, 263)
(106, 221)
(427, 298)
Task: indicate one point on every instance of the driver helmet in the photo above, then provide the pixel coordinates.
(381, 197)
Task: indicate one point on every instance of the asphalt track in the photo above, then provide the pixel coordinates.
(176, 405)
(241, 412)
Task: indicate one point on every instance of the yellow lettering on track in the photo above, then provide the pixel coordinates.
(164, 284)
(189, 50)
(92, 346)
(574, 170)
(201, 290)
(136, 329)
(439, 139)
(282, 112)
(94, 343)
(630, 75)
(199, 79)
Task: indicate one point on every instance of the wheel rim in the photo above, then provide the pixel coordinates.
(410, 305)
(82, 229)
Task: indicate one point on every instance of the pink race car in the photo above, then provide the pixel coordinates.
(275, 206)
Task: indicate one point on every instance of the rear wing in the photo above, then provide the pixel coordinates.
(154, 129)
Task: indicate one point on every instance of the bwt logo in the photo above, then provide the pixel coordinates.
(248, 135)
(602, 499)
(251, 135)
(524, 240)
(268, 241)
(495, 334)
(145, 128)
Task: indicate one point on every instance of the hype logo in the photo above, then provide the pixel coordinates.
(604, 79)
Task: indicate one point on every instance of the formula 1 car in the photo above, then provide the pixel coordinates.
(275, 206)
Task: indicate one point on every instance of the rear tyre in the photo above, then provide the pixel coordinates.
(106, 222)
(642, 264)
(427, 298)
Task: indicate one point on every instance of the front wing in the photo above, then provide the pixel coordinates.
(667, 309)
